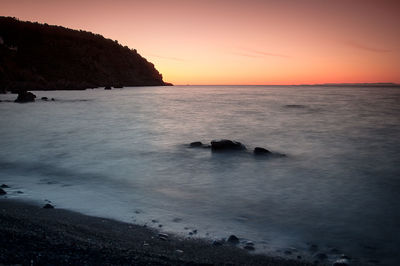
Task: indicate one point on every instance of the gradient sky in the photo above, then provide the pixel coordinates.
(241, 41)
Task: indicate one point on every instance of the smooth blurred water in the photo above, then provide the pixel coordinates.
(123, 154)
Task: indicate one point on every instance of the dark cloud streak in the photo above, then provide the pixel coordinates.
(366, 47)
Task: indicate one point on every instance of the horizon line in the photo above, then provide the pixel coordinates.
(386, 84)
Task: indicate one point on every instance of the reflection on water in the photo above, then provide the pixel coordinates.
(112, 153)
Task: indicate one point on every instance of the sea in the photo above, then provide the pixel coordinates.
(124, 154)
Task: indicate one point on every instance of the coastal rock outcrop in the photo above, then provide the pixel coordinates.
(2, 192)
(53, 57)
(226, 145)
(25, 96)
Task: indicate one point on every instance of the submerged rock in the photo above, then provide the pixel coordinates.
(25, 96)
(233, 239)
(4, 186)
(261, 151)
(48, 206)
(226, 145)
(2, 192)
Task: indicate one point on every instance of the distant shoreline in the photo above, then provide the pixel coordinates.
(33, 235)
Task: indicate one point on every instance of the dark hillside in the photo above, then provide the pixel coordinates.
(44, 57)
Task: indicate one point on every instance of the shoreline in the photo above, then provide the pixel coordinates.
(34, 235)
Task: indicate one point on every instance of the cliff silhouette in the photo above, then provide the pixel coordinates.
(37, 56)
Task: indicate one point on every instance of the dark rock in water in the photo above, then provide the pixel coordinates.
(295, 106)
(25, 96)
(249, 247)
(45, 98)
(261, 151)
(233, 239)
(2, 192)
(107, 87)
(196, 144)
(226, 145)
(4, 186)
(53, 99)
(249, 243)
(341, 262)
(48, 206)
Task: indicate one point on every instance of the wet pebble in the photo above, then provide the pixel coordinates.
(179, 251)
(341, 262)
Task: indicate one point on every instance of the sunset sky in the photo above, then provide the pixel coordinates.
(241, 41)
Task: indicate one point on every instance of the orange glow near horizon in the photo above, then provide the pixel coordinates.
(238, 41)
